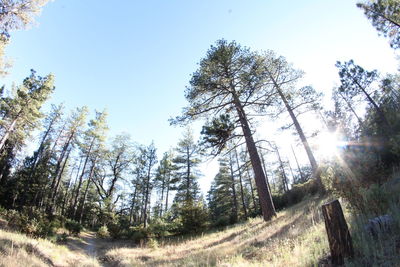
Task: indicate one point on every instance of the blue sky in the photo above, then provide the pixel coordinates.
(136, 57)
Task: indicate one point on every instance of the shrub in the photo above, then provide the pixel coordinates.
(193, 217)
(73, 227)
(114, 230)
(138, 234)
(375, 199)
(16, 221)
(222, 221)
(103, 232)
(152, 243)
(295, 194)
(160, 227)
(62, 238)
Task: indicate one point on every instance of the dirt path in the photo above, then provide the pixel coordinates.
(88, 243)
(85, 243)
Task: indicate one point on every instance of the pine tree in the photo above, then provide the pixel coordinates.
(385, 17)
(186, 161)
(221, 197)
(231, 80)
(21, 113)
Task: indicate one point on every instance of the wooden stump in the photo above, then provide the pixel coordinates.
(338, 234)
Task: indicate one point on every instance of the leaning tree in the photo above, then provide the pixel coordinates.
(230, 80)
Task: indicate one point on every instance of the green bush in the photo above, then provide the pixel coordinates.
(152, 243)
(103, 232)
(295, 194)
(16, 221)
(73, 227)
(114, 230)
(62, 238)
(375, 199)
(35, 225)
(161, 228)
(138, 234)
(222, 221)
(194, 218)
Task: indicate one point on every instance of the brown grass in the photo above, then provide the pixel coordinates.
(296, 237)
(20, 250)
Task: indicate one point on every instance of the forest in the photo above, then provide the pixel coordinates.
(66, 181)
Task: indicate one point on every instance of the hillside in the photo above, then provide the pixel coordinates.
(296, 237)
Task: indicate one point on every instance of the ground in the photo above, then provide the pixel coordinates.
(296, 237)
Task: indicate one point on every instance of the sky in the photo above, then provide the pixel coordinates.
(135, 58)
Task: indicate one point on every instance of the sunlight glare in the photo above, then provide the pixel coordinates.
(327, 144)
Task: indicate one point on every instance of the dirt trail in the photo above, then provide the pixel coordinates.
(86, 243)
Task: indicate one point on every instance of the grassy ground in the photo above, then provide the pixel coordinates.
(296, 237)
(20, 250)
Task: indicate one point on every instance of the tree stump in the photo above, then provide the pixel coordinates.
(339, 237)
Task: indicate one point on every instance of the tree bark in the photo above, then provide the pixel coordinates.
(267, 206)
(132, 207)
(298, 166)
(265, 171)
(162, 194)
(57, 186)
(167, 193)
(188, 175)
(147, 198)
(340, 242)
(241, 185)
(284, 176)
(253, 197)
(352, 110)
(7, 133)
(84, 200)
(234, 197)
(78, 189)
(310, 155)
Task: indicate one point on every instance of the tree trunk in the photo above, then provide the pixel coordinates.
(382, 16)
(78, 189)
(234, 197)
(284, 176)
(167, 193)
(241, 185)
(57, 139)
(147, 196)
(7, 133)
(310, 155)
(267, 206)
(291, 171)
(132, 207)
(253, 197)
(57, 186)
(188, 175)
(298, 166)
(340, 242)
(59, 167)
(377, 108)
(352, 110)
(86, 190)
(162, 194)
(84, 200)
(265, 171)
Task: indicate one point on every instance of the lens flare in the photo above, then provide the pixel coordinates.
(327, 144)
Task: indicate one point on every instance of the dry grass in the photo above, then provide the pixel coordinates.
(296, 237)
(20, 250)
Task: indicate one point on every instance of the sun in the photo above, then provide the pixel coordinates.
(328, 144)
